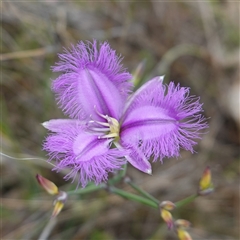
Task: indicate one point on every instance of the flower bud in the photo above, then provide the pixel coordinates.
(59, 203)
(167, 205)
(57, 208)
(183, 235)
(49, 186)
(205, 183)
(182, 223)
(167, 217)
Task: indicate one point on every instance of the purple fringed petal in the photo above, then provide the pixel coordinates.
(161, 119)
(91, 78)
(86, 155)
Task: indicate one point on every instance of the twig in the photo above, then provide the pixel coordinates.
(48, 228)
(27, 53)
(209, 24)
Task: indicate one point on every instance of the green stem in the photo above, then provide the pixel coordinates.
(186, 200)
(133, 197)
(118, 177)
(92, 187)
(145, 194)
(88, 189)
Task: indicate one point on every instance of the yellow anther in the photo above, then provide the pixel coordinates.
(109, 128)
(114, 126)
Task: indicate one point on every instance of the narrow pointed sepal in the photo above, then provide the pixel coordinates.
(137, 159)
(56, 125)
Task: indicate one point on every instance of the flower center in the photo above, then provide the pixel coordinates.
(109, 128)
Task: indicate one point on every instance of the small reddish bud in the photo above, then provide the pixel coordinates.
(205, 183)
(49, 186)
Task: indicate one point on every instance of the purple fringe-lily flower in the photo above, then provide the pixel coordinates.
(110, 127)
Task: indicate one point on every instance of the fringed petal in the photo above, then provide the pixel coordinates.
(91, 79)
(161, 119)
(83, 153)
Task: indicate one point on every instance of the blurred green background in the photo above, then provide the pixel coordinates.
(194, 43)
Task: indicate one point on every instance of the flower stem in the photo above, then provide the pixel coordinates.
(90, 188)
(144, 193)
(133, 197)
(186, 201)
(119, 176)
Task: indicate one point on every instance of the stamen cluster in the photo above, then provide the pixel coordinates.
(109, 128)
